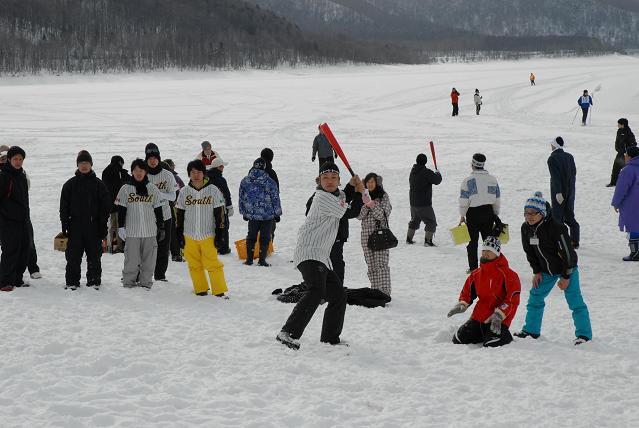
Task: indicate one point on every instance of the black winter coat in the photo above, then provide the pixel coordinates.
(14, 195)
(554, 253)
(625, 138)
(114, 176)
(421, 182)
(355, 200)
(216, 178)
(563, 174)
(85, 204)
(271, 173)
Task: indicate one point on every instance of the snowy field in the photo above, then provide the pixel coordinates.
(119, 357)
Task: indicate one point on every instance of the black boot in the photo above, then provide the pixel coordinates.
(250, 248)
(263, 252)
(634, 251)
(428, 241)
(410, 235)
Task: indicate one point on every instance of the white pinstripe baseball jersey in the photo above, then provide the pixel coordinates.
(140, 210)
(198, 206)
(317, 235)
(166, 184)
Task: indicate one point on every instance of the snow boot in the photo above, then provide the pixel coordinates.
(7, 288)
(410, 235)
(71, 287)
(285, 339)
(250, 248)
(263, 252)
(581, 339)
(524, 334)
(634, 251)
(428, 241)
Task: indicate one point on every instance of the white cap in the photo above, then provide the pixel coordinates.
(217, 162)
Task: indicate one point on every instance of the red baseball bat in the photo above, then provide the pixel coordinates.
(331, 139)
(432, 152)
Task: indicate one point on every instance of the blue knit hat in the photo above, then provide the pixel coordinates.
(537, 203)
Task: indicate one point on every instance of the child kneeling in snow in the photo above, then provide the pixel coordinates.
(312, 258)
(498, 288)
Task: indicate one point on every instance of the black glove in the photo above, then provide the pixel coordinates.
(499, 227)
(277, 219)
(180, 237)
(161, 234)
(313, 159)
(245, 218)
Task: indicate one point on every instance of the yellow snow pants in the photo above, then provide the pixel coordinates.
(201, 256)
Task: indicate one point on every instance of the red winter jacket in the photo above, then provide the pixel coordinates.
(497, 287)
(454, 96)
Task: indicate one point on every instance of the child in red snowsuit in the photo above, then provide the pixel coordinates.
(498, 288)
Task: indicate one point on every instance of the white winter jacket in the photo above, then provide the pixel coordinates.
(480, 188)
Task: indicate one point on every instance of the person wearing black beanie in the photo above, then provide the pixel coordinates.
(625, 138)
(114, 176)
(15, 220)
(267, 154)
(164, 180)
(421, 181)
(85, 205)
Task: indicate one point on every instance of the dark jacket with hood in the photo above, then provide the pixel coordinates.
(551, 250)
(625, 138)
(85, 204)
(563, 173)
(355, 200)
(14, 195)
(421, 182)
(114, 176)
(217, 179)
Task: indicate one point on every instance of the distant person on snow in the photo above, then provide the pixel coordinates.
(626, 201)
(454, 98)
(268, 155)
(207, 154)
(532, 79)
(563, 175)
(421, 180)
(584, 101)
(477, 98)
(625, 139)
(479, 203)
(497, 289)
(322, 147)
(85, 205)
(114, 176)
(554, 262)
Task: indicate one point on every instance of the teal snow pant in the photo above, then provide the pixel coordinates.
(535, 306)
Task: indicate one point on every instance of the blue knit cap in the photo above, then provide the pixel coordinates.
(537, 203)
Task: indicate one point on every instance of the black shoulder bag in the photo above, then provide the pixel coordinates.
(382, 238)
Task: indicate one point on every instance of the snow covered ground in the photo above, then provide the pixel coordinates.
(119, 357)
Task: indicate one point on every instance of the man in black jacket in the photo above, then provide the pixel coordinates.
(554, 262)
(563, 174)
(221, 229)
(14, 221)
(267, 154)
(114, 176)
(85, 203)
(421, 182)
(625, 139)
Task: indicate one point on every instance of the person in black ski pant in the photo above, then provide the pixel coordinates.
(15, 233)
(323, 148)
(625, 139)
(421, 182)
(563, 174)
(267, 154)
(221, 230)
(113, 177)
(312, 258)
(176, 251)
(85, 205)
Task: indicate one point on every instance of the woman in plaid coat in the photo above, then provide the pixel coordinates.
(374, 214)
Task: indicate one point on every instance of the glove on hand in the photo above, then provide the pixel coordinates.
(495, 321)
(459, 308)
(122, 233)
(229, 210)
(161, 234)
